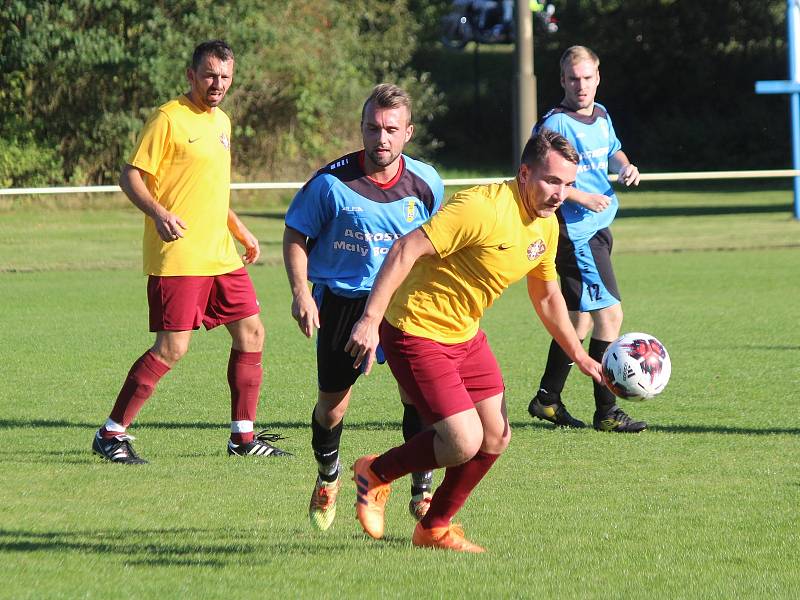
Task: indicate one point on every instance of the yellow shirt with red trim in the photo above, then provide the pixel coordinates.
(185, 154)
(485, 241)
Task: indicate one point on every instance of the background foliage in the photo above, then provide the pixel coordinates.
(677, 77)
(79, 77)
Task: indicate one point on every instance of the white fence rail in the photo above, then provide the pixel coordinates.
(293, 185)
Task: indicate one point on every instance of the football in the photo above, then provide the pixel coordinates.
(636, 366)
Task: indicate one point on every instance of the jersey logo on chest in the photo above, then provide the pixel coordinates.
(536, 249)
(410, 210)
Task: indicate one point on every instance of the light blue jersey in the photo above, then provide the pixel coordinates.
(352, 222)
(594, 139)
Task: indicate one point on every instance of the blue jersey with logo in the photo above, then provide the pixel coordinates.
(594, 139)
(352, 222)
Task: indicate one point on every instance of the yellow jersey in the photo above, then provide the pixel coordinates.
(185, 154)
(485, 241)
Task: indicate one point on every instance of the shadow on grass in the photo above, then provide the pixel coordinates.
(376, 426)
(275, 215)
(156, 547)
(697, 211)
(721, 429)
(270, 425)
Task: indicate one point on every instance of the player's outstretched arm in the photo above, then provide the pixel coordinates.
(549, 305)
(295, 259)
(169, 227)
(404, 253)
(594, 202)
(252, 250)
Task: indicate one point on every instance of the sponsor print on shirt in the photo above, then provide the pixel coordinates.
(352, 240)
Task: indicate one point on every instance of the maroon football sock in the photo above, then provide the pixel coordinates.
(457, 485)
(244, 377)
(415, 455)
(138, 387)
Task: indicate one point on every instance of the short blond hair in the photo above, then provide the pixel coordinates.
(576, 54)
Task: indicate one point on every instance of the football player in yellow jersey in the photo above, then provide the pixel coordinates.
(179, 177)
(425, 308)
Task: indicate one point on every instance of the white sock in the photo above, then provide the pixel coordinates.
(241, 426)
(113, 426)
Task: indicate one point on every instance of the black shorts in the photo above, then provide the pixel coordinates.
(337, 315)
(587, 277)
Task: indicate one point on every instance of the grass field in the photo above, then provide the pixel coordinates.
(703, 505)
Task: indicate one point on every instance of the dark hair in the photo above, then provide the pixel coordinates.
(216, 48)
(388, 95)
(537, 147)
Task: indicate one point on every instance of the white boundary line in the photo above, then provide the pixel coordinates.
(294, 185)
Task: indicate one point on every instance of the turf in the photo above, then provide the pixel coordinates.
(702, 505)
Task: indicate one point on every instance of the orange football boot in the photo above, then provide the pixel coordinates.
(445, 538)
(371, 496)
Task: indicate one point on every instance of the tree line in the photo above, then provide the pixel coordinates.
(79, 78)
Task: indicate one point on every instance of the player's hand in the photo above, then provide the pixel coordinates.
(169, 227)
(305, 312)
(597, 202)
(252, 250)
(629, 174)
(590, 367)
(363, 341)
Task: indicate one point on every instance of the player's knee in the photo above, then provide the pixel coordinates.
(249, 335)
(330, 412)
(466, 448)
(257, 333)
(616, 316)
(171, 353)
(496, 442)
(608, 322)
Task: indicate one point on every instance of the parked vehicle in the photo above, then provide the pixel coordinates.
(490, 22)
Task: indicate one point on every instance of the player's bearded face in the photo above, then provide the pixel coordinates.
(544, 187)
(385, 132)
(210, 82)
(580, 81)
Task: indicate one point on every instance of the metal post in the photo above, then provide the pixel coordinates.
(793, 24)
(792, 87)
(525, 112)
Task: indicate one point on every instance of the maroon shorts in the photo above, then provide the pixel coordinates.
(181, 303)
(441, 379)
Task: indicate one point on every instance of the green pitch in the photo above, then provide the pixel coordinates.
(704, 504)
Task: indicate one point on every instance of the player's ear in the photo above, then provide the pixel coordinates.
(524, 173)
(409, 131)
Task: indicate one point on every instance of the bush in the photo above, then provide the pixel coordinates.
(81, 76)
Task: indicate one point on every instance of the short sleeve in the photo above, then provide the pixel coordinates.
(438, 193)
(614, 145)
(311, 208)
(466, 220)
(554, 122)
(153, 143)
